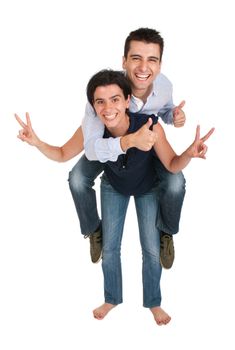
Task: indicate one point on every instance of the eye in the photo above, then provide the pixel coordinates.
(135, 58)
(99, 102)
(115, 99)
(154, 60)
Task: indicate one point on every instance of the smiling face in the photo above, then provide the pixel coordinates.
(142, 65)
(110, 106)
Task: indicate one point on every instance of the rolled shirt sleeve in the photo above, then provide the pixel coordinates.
(97, 148)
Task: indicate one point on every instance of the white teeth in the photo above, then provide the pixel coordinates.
(110, 117)
(142, 76)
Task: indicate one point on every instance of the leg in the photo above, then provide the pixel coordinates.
(81, 181)
(147, 210)
(113, 206)
(171, 192)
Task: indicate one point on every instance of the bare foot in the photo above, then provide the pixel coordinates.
(160, 316)
(102, 311)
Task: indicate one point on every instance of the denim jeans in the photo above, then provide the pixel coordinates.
(170, 189)
(171, 192)
(81, 180)
(113, 208)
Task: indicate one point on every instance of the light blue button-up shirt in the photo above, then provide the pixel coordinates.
(159, 102)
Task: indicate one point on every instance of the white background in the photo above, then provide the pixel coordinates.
(48, 286)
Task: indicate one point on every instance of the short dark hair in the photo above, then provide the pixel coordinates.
(107, 77)
(146, 35)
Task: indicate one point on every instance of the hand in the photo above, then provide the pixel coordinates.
(144, 138)
(178, 115)
(26, 133)
(198, 149)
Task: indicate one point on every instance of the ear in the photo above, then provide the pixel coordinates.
(123, 62)
(128, 101)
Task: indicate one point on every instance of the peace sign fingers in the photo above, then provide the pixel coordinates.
(28, 121)
(26, 133)
(20, 121)
(206, 137)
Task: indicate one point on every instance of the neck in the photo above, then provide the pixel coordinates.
(142, 94)
(121, 129)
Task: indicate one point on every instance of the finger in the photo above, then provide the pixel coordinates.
(28, 120)
(20, 121)
(149, 123)
(178, 125)
(180, 121)
(181, 105)
(206, 137)
(21, 135)
(204, 149)
(197, 137)
(176, 111)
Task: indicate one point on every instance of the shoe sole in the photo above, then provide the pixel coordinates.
(96, 262)
(167, 268)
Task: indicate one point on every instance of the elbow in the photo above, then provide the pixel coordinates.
(172, 170)
(90, 152)
(63, 156)
(61, 160)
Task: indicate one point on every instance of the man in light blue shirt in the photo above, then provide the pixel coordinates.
(151, 94)
(159, 102)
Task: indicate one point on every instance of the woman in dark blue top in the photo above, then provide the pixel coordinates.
(132, 174)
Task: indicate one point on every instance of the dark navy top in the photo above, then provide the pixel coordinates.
(132, 173)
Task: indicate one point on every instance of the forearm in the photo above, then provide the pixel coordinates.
(166, 114)
(131, 140)
(104, 150)
(178, 163)
(52, 152)
(70, 149)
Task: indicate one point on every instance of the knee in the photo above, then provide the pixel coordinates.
(77, 180)
(176, 183)
(150, 253)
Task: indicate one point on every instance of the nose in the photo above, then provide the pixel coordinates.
(143, 65)
(107, 106)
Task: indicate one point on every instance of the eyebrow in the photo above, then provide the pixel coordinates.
(110, 98)
(151, 57)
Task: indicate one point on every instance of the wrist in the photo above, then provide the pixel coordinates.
(39, 144)
(126, 142)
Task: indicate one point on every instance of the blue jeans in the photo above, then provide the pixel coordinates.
(81, 180)
(113, 208)
(170, 188)
(171, 192)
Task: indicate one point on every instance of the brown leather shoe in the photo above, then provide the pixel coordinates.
(167, 251)
(96, 245)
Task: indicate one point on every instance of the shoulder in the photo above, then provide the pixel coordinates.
(163, 81)
(159, 130)
(137, 120)
(89, 110)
